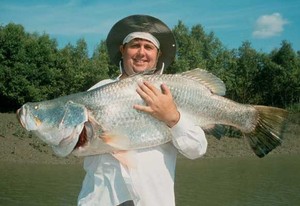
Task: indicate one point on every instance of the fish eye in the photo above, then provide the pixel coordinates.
(36, 107)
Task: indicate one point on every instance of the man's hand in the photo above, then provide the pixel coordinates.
(160, 104)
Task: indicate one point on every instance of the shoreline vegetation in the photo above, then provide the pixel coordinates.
(19, 146)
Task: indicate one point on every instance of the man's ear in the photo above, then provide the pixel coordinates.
(122, 49)
(159, 53)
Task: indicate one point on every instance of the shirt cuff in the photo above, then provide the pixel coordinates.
(181, 126)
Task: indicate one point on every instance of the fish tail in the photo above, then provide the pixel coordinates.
(268, 132)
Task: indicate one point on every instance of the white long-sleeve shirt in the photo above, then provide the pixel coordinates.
(151, 181)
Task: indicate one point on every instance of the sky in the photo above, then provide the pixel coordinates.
(265, 24)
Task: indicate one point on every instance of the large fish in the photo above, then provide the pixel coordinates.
(103, 120)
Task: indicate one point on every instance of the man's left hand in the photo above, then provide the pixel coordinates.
(159, 103)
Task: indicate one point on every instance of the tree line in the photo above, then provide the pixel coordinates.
(33, 68)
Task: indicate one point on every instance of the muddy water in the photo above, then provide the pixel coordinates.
(273, 180)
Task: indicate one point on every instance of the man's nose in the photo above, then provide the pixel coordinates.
(141, 50)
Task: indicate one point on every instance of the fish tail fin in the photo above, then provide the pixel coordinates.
(269, 130)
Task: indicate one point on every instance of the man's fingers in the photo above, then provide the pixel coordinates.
(142, 108)
(145, 96)
(150, 88)
(165, 90)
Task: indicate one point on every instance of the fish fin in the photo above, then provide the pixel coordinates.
(216, 130)
(126, 158)
(268, 132)
(115, 140)
(213, 83)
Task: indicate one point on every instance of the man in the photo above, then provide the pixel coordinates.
(139, 43)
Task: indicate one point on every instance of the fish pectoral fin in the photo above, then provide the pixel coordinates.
(115, 140)
(126, 158)
(216, 130)
(92, 120)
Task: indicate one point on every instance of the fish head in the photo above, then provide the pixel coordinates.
(57, 123)
(40, 115)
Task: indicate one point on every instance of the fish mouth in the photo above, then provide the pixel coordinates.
(27, 120)
(19, 114)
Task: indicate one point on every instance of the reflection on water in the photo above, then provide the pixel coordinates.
(37, 185)
(273, 180)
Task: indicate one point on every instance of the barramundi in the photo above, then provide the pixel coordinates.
(103, 120)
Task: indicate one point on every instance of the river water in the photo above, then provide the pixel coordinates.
(273, 180)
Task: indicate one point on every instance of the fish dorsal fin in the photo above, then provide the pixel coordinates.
(213, 83)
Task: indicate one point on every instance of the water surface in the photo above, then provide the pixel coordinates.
(39, 184)
(273, 180)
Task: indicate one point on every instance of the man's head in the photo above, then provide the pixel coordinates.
(141, 42)
(140, 51)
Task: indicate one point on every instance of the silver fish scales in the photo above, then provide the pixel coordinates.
(103, 120)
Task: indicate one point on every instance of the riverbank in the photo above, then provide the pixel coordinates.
(18, 145)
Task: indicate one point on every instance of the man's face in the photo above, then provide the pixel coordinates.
(139, 55)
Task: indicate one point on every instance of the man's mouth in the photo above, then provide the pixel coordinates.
(140, 62)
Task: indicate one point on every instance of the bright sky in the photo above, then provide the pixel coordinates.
(264, 23)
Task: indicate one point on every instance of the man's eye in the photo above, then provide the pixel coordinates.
(149, 47)
(135, 46)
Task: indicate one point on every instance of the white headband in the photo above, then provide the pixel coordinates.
(141, 35)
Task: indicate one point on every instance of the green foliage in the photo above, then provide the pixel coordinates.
(287, 85)
(32, 68)
(294, 108)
